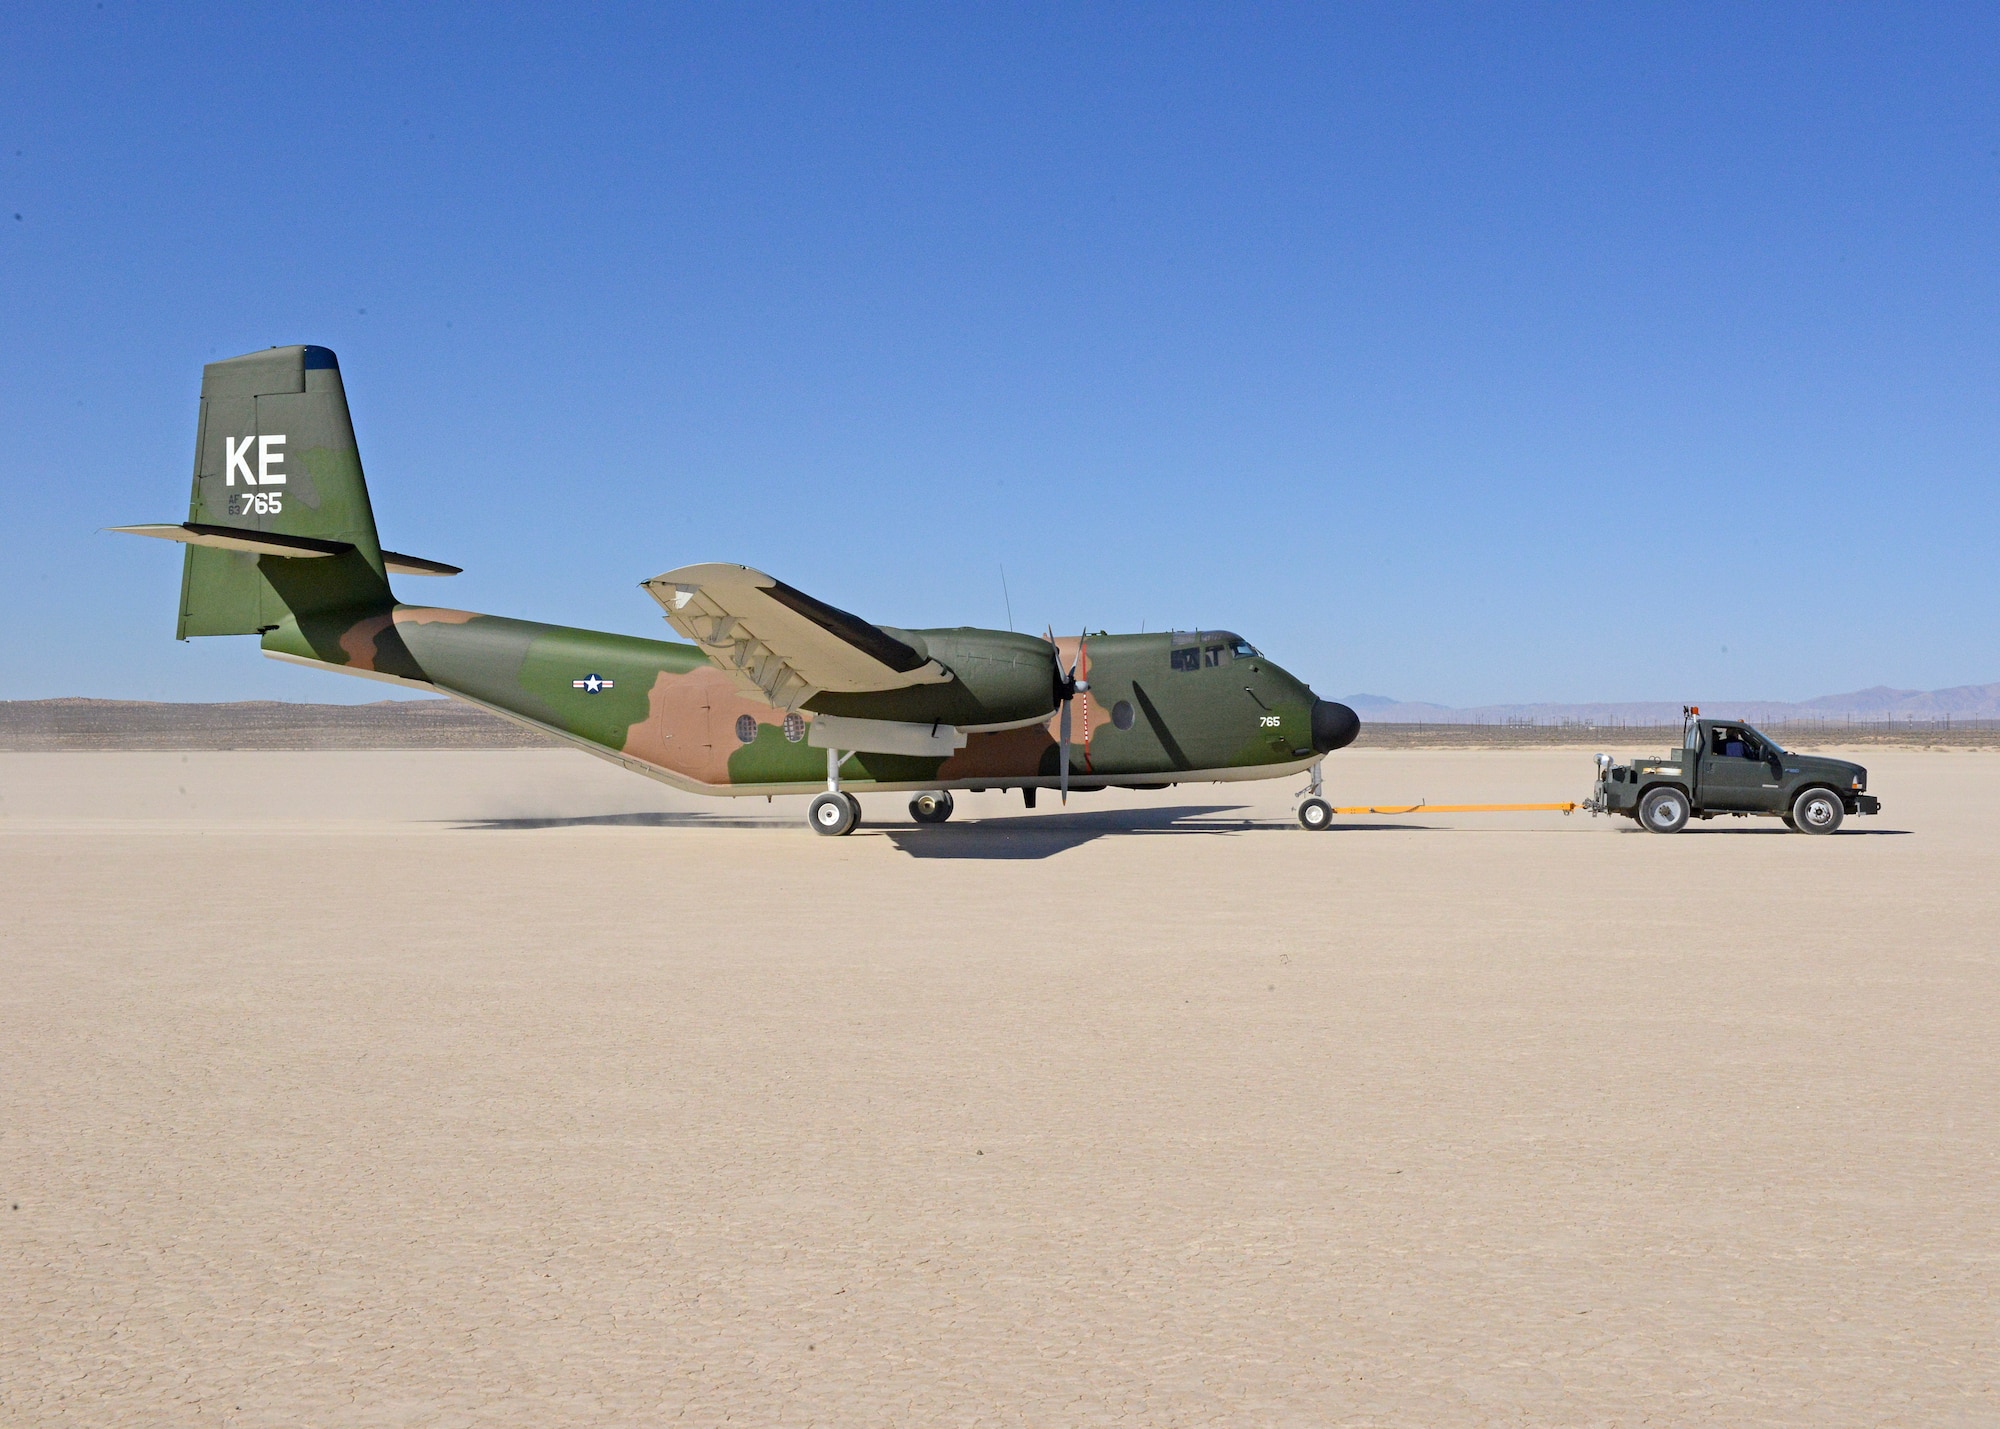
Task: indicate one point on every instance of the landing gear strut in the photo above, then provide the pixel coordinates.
(834, 813)
(931, 808)
(1315, 813)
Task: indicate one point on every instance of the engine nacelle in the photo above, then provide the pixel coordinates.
(1000, 678)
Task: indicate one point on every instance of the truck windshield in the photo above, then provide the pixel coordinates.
(1768, 742)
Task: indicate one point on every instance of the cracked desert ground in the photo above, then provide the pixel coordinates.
(508, 1088)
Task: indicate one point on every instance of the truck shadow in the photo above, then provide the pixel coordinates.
(1779, 832)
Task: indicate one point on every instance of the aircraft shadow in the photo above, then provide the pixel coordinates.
(1028, 836)
(626, 821)
(1034, 836)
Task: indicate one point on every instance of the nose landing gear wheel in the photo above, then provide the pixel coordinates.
(1664, 811)
(1315, 814)
(833, 815)
(1817, 811)
(931, 808)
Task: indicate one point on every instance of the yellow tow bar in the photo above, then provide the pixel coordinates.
(1465, 809)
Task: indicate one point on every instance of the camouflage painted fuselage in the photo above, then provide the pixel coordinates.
(280, 542)
(1161, 708)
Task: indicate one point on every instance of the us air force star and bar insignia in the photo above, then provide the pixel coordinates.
(591, 684)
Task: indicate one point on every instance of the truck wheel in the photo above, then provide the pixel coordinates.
(1817, 811)
(1664, 811)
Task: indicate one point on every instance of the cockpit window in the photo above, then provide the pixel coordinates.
(1208, 649)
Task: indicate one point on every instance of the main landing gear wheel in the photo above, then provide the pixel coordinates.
(834, 815)
(931, 808)
(1315, 814)
(1817, 811)
(1664, 811)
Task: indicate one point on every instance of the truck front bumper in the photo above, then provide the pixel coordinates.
(1864, 804)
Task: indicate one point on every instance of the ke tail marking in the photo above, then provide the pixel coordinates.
(279, 526)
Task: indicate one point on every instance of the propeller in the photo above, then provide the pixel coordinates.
(1068, 687)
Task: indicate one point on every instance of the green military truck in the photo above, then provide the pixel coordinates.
(1726, 767)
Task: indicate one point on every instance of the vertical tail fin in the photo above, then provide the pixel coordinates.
(276, 455)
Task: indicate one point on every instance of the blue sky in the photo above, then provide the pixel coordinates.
(1468, 354)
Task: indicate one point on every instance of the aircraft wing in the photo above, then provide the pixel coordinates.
(782, 646)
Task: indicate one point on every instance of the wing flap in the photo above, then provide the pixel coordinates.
(780, 645)
(884, 736)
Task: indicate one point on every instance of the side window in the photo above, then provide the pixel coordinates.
(1732, 744)
(1211, 656)
(1188, 659)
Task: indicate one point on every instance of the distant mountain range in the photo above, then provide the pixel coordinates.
(1879, 703)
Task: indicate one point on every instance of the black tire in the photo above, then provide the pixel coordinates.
(833, 815)
(1315, 814)
(931, 808)
(1817, 811)
(1663, 811)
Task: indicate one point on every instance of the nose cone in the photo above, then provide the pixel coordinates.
(1333, 726)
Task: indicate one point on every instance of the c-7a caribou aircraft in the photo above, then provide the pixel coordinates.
(779, 693)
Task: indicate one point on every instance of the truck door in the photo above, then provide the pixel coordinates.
(1736, 771)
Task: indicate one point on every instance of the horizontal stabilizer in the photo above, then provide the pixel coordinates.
(402, 565)
(237, 538)
(272, 543)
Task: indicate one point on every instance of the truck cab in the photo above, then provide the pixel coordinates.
(1729, 767)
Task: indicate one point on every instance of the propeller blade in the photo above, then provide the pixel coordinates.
(1064, 756)
(1064, 682)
